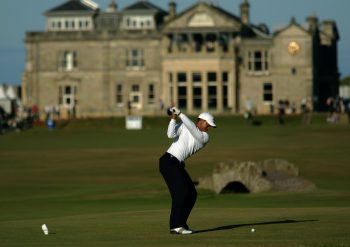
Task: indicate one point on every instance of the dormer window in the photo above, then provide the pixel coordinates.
(69, 23)
(138, 22)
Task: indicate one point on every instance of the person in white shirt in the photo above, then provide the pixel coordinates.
(189, 138)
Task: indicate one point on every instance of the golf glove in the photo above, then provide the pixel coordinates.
(176, 110)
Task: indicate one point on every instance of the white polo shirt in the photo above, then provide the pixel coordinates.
(188, 139)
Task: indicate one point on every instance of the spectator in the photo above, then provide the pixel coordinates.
(334, 109)
(272, 108)
(347, 109)
(248, 115)
(281, 112)
(306, 111)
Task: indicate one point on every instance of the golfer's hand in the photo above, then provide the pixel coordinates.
(175, 110)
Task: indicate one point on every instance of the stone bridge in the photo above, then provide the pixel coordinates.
(255, 177)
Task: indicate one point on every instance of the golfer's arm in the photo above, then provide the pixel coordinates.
(172, 129)
(192, 128)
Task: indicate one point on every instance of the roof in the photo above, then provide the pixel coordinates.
(216, 8)
(144, 6)
(225, 12)
(10, 92)
(7, 92)
(75, 5)
(293, 22)
(2, 93)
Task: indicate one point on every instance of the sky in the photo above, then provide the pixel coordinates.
(20, 16)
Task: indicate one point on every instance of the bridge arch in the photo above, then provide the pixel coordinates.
(235, 187)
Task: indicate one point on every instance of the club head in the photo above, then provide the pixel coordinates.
(169, 112)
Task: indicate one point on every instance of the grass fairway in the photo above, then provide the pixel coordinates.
(95, 184)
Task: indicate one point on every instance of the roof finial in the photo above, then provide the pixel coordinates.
(293, 20)
(112, 7)
(245, 12)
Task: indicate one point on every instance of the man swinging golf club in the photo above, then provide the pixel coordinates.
(189, 138)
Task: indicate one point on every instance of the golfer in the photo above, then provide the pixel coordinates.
(189, 138)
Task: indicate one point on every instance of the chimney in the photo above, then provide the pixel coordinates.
(312, 23)
(330, 28)
(245, 12)
(172, 9)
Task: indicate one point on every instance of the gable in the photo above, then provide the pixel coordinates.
(203, 15)
(201, 19)
(292, 30)
(143, 6)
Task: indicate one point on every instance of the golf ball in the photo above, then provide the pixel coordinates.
(252, 230)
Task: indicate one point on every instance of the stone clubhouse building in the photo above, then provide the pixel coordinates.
(142, 58)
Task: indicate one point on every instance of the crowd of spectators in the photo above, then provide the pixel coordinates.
(19, 119)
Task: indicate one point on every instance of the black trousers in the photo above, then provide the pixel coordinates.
(181, 188)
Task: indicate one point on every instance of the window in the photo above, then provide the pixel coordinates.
(266, 60)
(119, 95)
(135, 96)
(197, 97)
(181, 41)
(212, 97)
(211, 42)
(211, 76)
(134, 58)
(69, 23)
(171, 87)
(135, 88)
(196, 77)
(182, 96)
(68, 60)
(182, 89)
(181, 77)
(151, 95)
(225, 89)
(138, 22)
(258, 61)
(267, 92)
(224, 77)
(224, 41)
(198, 42)
(197, 90)
(225, 96)
(67, 96)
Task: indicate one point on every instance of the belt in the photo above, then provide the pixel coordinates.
(173, 157)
